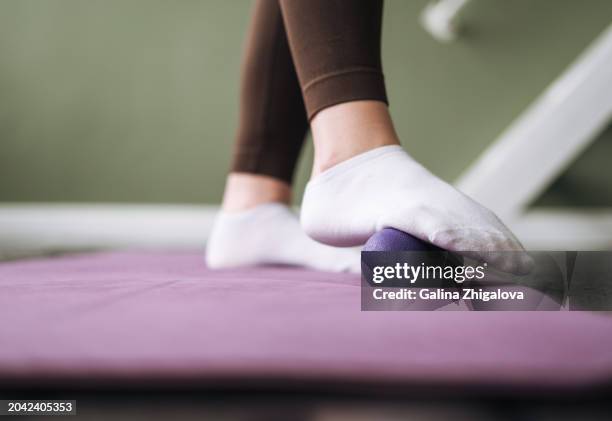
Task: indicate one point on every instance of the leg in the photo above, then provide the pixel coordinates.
(256, 224)
(362, 179)
(272, 123)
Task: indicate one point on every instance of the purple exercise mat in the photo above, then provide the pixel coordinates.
(145, 315)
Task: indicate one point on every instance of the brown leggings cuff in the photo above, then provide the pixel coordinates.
(344, 86)
(273, 165)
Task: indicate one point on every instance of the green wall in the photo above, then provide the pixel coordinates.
(135, 100)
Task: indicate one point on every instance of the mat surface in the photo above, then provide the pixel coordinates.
(121, 316)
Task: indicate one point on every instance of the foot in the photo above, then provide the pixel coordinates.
(271, 234)
(385, 187)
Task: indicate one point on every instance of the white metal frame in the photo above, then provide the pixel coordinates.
(548, 136)
(540, 144)
(517, 167)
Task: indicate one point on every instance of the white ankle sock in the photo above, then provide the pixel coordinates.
(271, 234)
(385, 187)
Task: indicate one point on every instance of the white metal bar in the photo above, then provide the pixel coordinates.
(547, 137)
(42, 226)
(440, 19)
(550, 229)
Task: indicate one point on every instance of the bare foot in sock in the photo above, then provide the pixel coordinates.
(364, 181)
(270, 233)
(385, 187)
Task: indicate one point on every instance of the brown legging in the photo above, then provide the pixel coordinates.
(301, 57)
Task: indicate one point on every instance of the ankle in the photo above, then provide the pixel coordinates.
(244, 191)
(349, 129)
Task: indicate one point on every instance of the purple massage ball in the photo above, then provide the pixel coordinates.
(390, 239)
(393, 240)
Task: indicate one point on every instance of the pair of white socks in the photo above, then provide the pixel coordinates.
(346, 204)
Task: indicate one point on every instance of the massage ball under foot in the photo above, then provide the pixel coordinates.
(391, 239)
